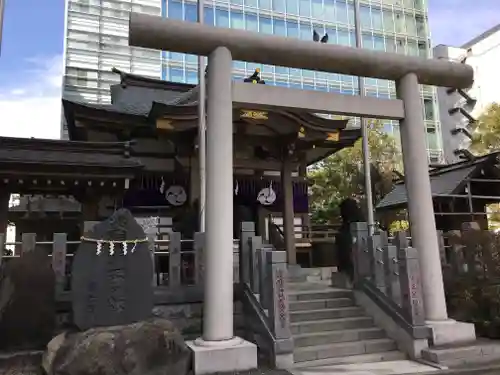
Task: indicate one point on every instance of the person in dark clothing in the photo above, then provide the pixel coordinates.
(350, 213)
(188, 220)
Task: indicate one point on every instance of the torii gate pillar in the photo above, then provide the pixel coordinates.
(218, 350)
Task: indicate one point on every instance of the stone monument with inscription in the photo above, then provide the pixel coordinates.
(111, 274)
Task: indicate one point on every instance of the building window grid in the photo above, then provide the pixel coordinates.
(229, 6)
(187, 67)
(305, 27)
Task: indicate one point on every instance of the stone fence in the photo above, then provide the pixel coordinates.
(177, 262)
(264, 281)
(388, 271)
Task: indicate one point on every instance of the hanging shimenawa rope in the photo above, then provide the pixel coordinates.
(125, 244)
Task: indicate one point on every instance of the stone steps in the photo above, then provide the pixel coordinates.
(328, 328)
(477, 352)
(322, 314)
(321, 292)
(331, 325)
(352, 359)
(333, 337)
(343, 349)
(321, 304)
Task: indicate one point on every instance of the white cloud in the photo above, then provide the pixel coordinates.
(32, 107)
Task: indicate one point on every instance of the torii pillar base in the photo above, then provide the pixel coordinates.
(211, 357)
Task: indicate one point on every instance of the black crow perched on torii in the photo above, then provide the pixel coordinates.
(324, 39)
(255, 77)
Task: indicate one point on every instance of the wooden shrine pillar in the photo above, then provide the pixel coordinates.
(4, 210)
(288, 211)
(90, 208)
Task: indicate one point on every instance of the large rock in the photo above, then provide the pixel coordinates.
(115, 286)
(27, 302)
(152, 347)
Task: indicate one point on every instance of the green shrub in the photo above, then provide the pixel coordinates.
(472, 280)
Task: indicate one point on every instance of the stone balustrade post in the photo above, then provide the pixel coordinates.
(279, 315)
(199, 253)
(152, 247)
(411, 286)
(401, 240)
(174, 260)
(360, 254)
(59, 249)
(262, 250)
(28, 243)
(391, 265)
(377, 261)
(255, 244)
(247, 230)
(236, 266)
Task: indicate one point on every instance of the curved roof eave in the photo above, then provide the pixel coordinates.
(348, 138)
(307, 119)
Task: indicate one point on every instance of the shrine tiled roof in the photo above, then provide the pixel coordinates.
(444, 180)
(68, 153)
(151, 97)
(142, 105)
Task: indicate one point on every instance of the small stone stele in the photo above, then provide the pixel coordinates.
(27, 302)
(151, 347)
(112, 289)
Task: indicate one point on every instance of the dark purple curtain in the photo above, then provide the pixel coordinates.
(148, 193)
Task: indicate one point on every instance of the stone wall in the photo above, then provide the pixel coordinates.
(186, 316)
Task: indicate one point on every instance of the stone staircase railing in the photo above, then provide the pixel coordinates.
(387, 271)
(263, 280)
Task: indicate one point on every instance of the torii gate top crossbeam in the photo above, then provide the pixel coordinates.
(193, 38)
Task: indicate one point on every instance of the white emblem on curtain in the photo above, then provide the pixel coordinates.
(176, 195)
(267, 196)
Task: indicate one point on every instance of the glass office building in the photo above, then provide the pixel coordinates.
(96, 40)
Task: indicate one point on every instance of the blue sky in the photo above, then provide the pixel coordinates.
(31, 60)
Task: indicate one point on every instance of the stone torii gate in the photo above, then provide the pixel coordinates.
(218, 349)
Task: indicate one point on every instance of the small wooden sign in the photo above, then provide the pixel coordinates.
(333, 137)
(164, 124)
(253, 115)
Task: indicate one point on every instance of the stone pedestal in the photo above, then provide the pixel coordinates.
(222, 356)
(451, 332)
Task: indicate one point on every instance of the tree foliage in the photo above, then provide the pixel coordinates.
(486, 131)
(486, 139)
(341, 175)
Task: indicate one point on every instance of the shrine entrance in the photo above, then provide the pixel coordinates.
(223, 46)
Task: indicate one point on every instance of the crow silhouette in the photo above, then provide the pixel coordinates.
(315, 36)
(324, 39)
